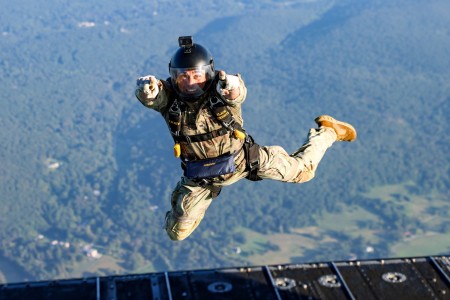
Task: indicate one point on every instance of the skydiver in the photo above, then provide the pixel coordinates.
(202, 108)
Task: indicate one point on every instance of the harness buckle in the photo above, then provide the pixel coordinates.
(229, 124)
(253, 164)
(214, 100)
(202, 182)
(249, 139)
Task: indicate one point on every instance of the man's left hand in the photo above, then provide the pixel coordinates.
(228, 86)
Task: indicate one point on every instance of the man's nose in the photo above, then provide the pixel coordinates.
(191, 81)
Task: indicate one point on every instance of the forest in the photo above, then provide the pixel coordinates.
(87, 171)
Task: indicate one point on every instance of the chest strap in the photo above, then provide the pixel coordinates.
(201, 137)
(219, 110)
(224, 116)
(175, 114)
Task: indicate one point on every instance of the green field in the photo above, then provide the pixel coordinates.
(258, 251)
(426, 240)
(423, 245)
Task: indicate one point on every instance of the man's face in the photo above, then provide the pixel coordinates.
(191, 82)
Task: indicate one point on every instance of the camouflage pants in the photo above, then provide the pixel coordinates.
(190, 200)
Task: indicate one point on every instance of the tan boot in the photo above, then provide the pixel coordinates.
(344, 131)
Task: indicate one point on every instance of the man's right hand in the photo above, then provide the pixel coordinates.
(147, 87)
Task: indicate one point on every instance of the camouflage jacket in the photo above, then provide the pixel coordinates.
(198, 119)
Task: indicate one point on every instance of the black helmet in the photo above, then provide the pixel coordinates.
(191, 57)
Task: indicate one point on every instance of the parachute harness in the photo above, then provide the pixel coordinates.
(221, 112)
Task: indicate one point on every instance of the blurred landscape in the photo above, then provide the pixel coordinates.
(87, 171)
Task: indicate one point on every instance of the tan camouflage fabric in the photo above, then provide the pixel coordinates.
(199, 120)
(190, 201)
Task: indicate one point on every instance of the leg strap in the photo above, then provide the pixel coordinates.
(252, 158)
(207, 183)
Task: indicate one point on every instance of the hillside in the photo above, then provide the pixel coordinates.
(84, 163)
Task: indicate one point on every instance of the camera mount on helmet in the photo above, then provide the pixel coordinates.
(185, 42)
